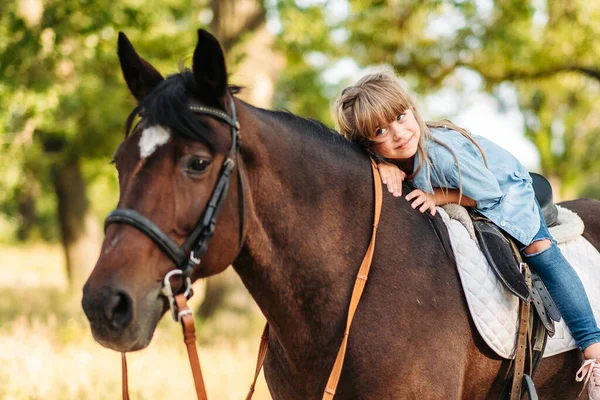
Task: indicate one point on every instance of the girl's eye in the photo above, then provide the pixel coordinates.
(197, 165)
(400, 117)
(379, 131)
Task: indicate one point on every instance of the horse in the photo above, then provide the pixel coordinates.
(294, 224)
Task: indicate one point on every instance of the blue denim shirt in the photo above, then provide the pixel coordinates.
(503, 190)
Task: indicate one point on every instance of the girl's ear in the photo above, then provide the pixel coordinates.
(141, 77)
(209, 70)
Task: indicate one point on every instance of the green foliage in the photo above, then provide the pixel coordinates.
(546, 50)
(61, 92)
(62, 97)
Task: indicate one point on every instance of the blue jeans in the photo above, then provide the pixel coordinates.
(565, 287)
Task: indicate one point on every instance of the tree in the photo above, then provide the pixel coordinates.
(254, 64)
(66, 103)
(546, 50)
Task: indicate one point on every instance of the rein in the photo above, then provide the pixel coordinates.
(359, 285)
(188, 256)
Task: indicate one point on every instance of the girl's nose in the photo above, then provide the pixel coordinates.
(397, 131)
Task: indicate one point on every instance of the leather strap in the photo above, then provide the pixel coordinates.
(359, 286)
(522, 336)
(186, 317)
(189, 332)
(149, 228)
(124, 376)
(262, 354)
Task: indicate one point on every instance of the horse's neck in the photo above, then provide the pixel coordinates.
(309, 223)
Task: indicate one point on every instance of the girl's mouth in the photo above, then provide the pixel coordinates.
(405, 143)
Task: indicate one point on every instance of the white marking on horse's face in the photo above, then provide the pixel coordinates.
(152, 138)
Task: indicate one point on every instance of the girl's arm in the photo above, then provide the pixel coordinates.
(446, 196)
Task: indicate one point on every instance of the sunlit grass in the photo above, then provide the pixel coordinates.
(47, 350)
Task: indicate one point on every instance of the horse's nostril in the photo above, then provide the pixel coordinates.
(118, 310)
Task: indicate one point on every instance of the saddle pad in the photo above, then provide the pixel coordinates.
(495, 310)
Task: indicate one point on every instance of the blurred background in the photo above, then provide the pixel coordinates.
(525, 73)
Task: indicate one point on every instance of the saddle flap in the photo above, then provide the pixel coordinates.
(498, 252)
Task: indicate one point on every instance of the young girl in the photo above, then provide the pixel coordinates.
(448, 165)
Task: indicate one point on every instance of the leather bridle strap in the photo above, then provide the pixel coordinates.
(186, 317)
(359, 285)
(125, 386)
(196, 243)
(187, 256)
(262, 354)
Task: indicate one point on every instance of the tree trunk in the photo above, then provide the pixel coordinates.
(240, 26)
(80, 232)
(26, 195)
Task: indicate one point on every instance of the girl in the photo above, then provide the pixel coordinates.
(448, 165)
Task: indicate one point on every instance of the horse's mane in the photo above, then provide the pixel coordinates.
(312, 127)
(167, 105)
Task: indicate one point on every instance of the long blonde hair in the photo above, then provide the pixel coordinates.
(379, 98)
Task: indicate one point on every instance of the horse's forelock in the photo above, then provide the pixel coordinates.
(167, 106)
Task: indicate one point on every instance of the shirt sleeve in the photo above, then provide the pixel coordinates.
(477, 181)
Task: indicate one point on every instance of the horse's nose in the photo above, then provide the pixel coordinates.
(109, 306)
(118, 309)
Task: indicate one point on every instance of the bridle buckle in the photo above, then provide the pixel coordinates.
(167, 291)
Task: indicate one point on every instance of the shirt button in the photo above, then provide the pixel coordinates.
(503, 223)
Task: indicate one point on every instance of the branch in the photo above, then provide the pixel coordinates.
(517, 75)
(591, 72)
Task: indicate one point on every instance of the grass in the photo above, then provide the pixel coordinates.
(47, 350)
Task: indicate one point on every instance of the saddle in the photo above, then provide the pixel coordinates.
(505, 260)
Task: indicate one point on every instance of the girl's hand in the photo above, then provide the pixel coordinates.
(392, 177)
(425, 200)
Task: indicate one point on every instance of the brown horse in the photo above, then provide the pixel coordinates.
(302, 198)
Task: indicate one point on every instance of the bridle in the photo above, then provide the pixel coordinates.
(188, 256)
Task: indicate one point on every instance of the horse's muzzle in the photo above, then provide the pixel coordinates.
(110, 312)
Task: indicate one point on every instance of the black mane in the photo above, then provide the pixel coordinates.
(167, 105)
(316, 130)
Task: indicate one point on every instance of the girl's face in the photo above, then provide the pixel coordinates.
(398, 139)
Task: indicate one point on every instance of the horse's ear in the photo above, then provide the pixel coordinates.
(141, 77)
(209, 69)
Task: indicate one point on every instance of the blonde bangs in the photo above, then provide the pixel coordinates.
(377, 106)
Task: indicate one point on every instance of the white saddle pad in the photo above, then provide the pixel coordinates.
(495, 310)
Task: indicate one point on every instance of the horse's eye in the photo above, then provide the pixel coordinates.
(197, 165)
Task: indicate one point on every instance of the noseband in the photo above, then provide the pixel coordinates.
(187, 256)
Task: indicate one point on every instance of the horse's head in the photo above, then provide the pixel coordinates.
(174, 171)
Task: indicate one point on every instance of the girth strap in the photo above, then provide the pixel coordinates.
(359, 285)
